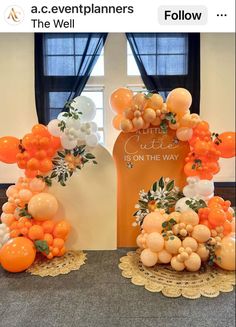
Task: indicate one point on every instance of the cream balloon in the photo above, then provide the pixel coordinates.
(138, 122)
(179, 101)
(156, 121)
(203, 252)
(189, 217)
(174, 215)
(201, 233)
(164, 256)
(155, 242)
(149, 115)
(177, 265)
(173, 244)
(43, 206)
(153, 222)
(126, 125)
(184, 133)
(225, 254)
(193, 263)
(181, 205)
(190, 242)
(148, 258)
(140, 240)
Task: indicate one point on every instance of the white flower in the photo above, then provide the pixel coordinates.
(137, 206)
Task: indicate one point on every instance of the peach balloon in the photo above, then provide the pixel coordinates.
(121, 99)
(189, 217)
(225, 254)
(25, 195)
(203, 252)
(126, 125)
(12, 190)
(191, 243)
(43, 206)
(149, 115)
(155, 101)
(116, 121)
(148, 258)
(174, 215)
(190, 120)
(7, 218)
(138, 122)
(179, 101)
(8, 207)
(155, 242)
(153, 222)
(193, 263)
(37, 185)
(141, 241)
(174, 126)
(139, 101)
(177, 265)
(233, 225)
(201, 233)
(173, 244)
(156, 121)
(184, 133)
(164, 256)
(128, 113)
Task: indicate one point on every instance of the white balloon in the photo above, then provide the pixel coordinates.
(61, 117)
(4, 234)
(181, 205)
(73, 123)
(93, 126)
(67, 143)
(204, 187)
(91, 140)
(81, 135)
(53, 128)
(189, 191)
(86, 106)
(193, 179)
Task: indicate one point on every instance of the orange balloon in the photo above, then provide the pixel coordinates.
(41, 130)
(33, 164)
(31, 173)
(227, 146)
(121, 99)
(45, 165)
(116, 122)
(217, 217)
(61, 229)
(28, 141)
(36, 232)
(55, 142)
(17, 255)
(179, 101)
(188, 169)
(9, 148)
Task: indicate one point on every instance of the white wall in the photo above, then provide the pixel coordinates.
(17, 108)
(218, 89)
(17, 113)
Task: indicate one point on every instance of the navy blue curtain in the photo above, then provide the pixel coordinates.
(63, 64)
(167, 61)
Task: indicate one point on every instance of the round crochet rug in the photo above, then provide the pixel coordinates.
(162, 278)
(72, 260)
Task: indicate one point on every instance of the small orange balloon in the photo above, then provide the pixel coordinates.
(41, 130)
(45, 165)
(9, 148)
(121, 99)
(17, 255)
(55, 142)
(61, 229)
(217, 217)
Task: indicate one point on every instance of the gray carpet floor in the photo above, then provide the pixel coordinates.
(97, 295)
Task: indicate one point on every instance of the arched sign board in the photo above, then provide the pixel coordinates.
(88, 202)
(142, 158)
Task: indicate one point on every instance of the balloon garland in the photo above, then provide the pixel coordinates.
(190, 229)
(47, 153)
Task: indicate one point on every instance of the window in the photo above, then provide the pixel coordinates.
(161, 54)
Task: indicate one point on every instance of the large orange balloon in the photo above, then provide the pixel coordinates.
(9, 147)
(227, 146)
(17, 255)
(121, 99)
(179, 101)
(43, 206)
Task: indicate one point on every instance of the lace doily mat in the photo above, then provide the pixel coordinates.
(162, 278)
(72, 260)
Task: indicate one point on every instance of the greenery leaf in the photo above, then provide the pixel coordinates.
(170, 186)
(154, 186)
(161, 183)
(89, 156)
(42, 246)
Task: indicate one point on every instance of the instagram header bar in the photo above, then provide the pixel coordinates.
(117, 16)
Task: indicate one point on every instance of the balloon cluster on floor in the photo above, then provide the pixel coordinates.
(141, 111)
(29, 221)
(197, 227)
